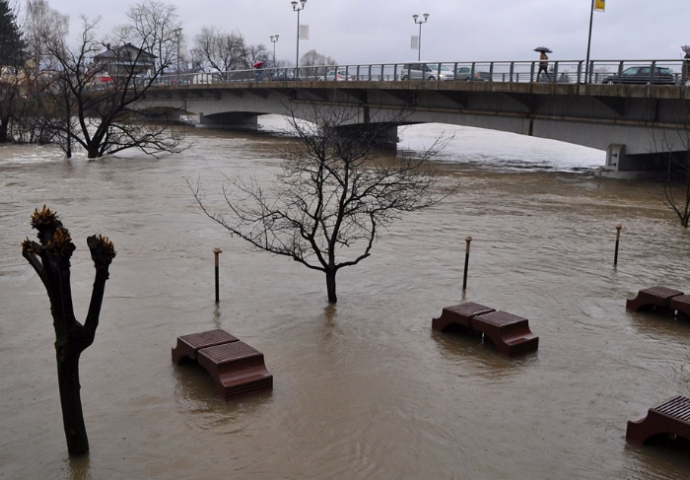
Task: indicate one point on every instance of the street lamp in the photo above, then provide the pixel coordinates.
(419, 22)
(298, 9)
(178, 32)
(274, 40)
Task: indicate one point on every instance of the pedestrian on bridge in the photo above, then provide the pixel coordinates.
(543, 62)
(543, 66)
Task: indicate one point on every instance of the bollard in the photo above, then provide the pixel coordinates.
(618, 237)
(467, 262)
(217, 251)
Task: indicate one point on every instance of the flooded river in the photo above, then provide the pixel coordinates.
(363, 390)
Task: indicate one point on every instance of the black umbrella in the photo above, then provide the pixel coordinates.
(543, 49)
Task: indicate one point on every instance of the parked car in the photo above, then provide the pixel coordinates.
(642, 76)
(336, 76)
(283, 76)
(426, 71)
(465, 73)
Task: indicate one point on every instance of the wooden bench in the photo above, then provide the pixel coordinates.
(188, 345)
(234, 366)
(510, 333)
(670, 418)
(459, 316)
(657, 299)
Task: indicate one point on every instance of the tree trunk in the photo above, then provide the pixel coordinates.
(4, 124)
(330, 285)
(70, 400)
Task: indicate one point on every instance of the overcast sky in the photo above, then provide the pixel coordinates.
(375, 31)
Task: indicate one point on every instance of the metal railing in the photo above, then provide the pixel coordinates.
(643, 72)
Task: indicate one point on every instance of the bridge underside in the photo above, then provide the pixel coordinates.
(630, 123)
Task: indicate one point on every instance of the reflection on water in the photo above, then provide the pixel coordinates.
(363, 389)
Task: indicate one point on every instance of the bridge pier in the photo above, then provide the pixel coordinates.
(621, 165)
(228, 120)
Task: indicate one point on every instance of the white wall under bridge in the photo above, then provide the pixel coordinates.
(629, 121)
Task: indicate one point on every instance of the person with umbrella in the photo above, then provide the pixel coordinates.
(543, 61)
(685, 75)
(259, 66)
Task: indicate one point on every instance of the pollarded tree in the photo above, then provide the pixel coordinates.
(334, 195)
(51, 260)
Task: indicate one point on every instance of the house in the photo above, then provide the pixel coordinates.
(125, 60)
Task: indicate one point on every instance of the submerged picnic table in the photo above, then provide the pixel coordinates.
(234, 366)
(670, 418)
(510, 333)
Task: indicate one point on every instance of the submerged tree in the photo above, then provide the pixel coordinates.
(51, 260)
(334, 193)
(95, 98)
(11, 59)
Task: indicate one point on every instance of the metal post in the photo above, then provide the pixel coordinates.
(217, 251)
(420, 22)
(467, 262)
(178, 32)
(274, 40)
(618, 237)
(298, 9)
(419, 49)
(589, 42)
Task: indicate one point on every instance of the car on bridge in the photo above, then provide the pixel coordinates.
(336, 76)
(283, 76)
(642, 76)
(465, 74)
(426, 71)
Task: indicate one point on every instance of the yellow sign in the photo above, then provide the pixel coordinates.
(600, 5)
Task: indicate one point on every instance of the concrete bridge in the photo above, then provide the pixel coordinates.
(632, 123)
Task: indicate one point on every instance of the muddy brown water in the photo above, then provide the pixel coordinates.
(363, 390)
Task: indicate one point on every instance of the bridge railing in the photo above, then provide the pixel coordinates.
(662, 72)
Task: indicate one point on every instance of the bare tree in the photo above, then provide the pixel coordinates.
(51, 260)
(101, 117)
(11, 61)
(313, 59)
(334, 194)
(217, 51)
(675, 188)
(256, 53)
(155, 28)
(41, 22)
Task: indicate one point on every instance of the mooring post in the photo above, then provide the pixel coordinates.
(217, 251)
(467, 261)
(618, 238)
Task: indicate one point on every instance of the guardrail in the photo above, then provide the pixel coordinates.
(650, 72)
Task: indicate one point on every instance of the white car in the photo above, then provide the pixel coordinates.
(335, 76)
(426, 71)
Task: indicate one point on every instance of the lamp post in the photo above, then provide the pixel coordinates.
(274, 40)
(419, 22)
(589, 43)
(298, 9)
(178, 33)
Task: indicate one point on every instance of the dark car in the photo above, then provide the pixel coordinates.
(466, 74)
(283, 76)
(642, 76)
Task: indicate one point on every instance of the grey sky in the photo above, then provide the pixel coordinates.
(369, 31)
